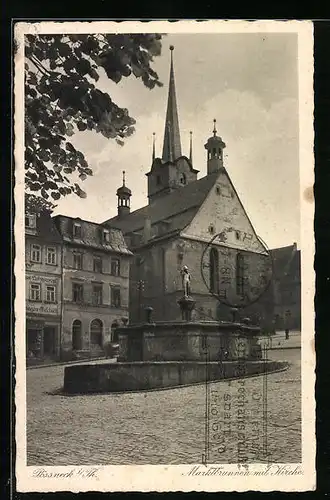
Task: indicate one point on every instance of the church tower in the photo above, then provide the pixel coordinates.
(214, 147)
(172, 170)
(124, 194)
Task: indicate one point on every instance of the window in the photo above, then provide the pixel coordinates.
(50, 293)
(183, 179)
(238, 235)
(97, 295)
(97, 264)
(51, 255)
(115, 296)
(217, 190)
(76, 230)
(211, 229)
(30, 221)
(214, 271)
(115, 267)
(240, 274)
(36, 253)
(35, 291)
(77, 260)
(106, 236)
(77, 292)
(158, 180)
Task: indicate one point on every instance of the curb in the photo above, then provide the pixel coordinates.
(281, 348)
(64, 363)
(285, 367)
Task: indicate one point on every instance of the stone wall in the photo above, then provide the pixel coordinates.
(177, 341)
(159, 268)
(122, 377)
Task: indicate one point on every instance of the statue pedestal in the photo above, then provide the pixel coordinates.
(187, 305)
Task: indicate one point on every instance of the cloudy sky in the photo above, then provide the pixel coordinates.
(249, 83)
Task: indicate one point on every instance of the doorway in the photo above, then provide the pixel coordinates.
(34, 337)
(97, 332)
(49, 340)
(76, 335)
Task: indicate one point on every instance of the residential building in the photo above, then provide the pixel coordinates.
(95, 284)
(43, 270)
(287, 287)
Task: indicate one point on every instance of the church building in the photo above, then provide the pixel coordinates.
(195, 222)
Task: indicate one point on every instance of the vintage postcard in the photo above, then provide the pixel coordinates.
(164, 316)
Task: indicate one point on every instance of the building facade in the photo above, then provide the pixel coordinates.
(200, 223)
(95, 268)
(287, 287)
(43, 281)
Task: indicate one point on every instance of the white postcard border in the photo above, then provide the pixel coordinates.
(283, 477)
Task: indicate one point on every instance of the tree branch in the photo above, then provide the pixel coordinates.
(38, 65)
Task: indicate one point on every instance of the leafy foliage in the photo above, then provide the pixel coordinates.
(37, 204)
(61, 98)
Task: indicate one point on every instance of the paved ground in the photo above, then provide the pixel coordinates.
(278, 341)
(167, 426)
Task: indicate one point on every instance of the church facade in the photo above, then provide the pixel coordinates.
(198, 223)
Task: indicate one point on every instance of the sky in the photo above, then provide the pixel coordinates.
(249, 83)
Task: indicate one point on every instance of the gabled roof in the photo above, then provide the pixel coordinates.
(178, 207)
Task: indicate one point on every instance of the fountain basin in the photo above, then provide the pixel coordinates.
(188, 341)
(148, 375)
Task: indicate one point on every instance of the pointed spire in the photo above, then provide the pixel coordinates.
(172, 141)
(215, 127)
(190, 151)
(153, 146)
(124, 177)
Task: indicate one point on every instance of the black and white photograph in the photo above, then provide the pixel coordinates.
(164, 256)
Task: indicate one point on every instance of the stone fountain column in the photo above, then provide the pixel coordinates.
(187, 305)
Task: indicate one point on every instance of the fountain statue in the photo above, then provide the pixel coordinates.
(186, 303)
(186, 278)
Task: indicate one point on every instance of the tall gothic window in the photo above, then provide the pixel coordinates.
(240, 274)
(214, 270)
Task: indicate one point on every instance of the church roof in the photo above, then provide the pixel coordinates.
(178, 207)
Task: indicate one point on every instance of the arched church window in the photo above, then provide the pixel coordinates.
(240, 274)
(214, 270)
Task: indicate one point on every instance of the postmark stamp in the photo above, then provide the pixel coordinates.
(161, 343)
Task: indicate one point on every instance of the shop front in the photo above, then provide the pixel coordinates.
(42, 338)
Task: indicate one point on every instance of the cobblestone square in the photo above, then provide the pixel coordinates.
(168, 426)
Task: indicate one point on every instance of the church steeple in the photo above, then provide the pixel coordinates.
(172, 141)
(214, 147)
(124, 194)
